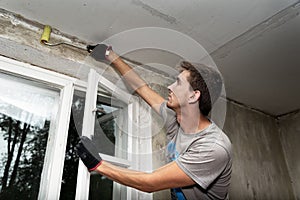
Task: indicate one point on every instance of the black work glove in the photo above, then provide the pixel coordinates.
(99, 52)
(88, 153)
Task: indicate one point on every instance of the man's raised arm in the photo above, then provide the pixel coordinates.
(132, 78)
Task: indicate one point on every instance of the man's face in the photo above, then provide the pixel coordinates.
(180, 91)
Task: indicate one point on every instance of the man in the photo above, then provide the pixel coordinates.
(199, 152)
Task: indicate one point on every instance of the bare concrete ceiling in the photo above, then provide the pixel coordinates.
(255, 44)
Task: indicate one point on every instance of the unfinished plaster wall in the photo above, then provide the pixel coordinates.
(289, 130)
(259, 167)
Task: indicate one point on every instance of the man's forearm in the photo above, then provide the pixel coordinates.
(167, 176)
(136, 82)
(131, 178)
(132, 78)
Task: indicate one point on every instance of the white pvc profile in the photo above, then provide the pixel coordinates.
(116, 161)
(33, 72)
(54, 162)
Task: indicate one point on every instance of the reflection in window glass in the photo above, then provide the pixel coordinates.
(100, 187)
(26, 113)
(105, 128)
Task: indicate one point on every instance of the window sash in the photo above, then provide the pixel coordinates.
(54, 158)
(83, 177)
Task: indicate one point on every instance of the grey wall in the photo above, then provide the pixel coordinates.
(289, 127)
(259, 168)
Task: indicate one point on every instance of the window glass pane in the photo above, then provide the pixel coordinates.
(106, 137)
(27, 113)
(107, 128)
(100, 188)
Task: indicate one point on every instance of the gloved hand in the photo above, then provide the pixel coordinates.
(99, 52)
(88, 153)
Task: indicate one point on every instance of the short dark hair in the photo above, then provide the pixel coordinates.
(208, 80)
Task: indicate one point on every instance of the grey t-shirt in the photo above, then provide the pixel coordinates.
(204, 156)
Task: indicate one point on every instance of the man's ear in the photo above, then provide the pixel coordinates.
(195, 96)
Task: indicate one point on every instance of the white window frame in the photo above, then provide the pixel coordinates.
(51, 176)
(52, 172)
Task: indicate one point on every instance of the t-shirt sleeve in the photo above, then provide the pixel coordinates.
(169, 120)
(203, 163)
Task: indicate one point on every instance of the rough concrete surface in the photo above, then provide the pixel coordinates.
(290, 136)
(259, 167)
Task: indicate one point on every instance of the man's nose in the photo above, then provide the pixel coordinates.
(170, 87)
